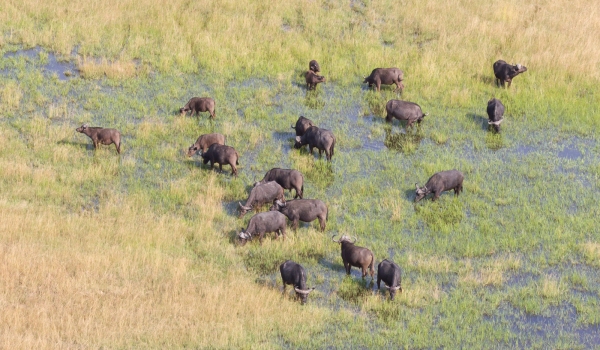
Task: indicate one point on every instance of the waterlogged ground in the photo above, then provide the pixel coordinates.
(513, 261)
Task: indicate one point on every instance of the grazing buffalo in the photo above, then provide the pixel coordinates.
(390, 274)
(305, 210)
(261, 223)
(204, 141)
(322, 139)
(261, 195)
(314, 66)
(199, 104)
(302, 125)
(356, 256)
(505, 72)
(221, 154)
(387, 76)
(312, 79)
(287, 178)
(294, 274)
(404, 110)
(102, 136)
(495, 111)
(440, 182)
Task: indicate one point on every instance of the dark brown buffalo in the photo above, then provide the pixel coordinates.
(356, 256)
(302, 125)
(199, 104)
(440, 182)
(505, 72)
(221, 155)
(294, 274)
(387, 76)
(204, 141)
(391, 275)
(262, 223)
(102, 136)
(495, 111)
(312, 79)
(322, 139)
(404, 110)
(287, 178)
(305, 210)
(261, 195)
(314, 66)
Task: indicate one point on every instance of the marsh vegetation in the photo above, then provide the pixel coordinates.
(138, 250)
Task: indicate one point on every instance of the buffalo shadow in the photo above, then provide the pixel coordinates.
(479, 119)
(87, 145)
(486, 79)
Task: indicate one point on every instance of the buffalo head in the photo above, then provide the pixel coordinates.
(420, 192)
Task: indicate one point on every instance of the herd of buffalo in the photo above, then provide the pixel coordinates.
(270, 190)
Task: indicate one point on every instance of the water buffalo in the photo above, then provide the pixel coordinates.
(221, 154)
(262, 194)
(102, 136)
(505, 72)
(204, 141)
(390, 274)
(199, 104)
(314, 66)
(322, 139)
(302, 125)
(305, 210)
(404, 110)
(495, 111)
(356, 256)
(387, 76)
(287, 178)
(312, 79)
(261, 223)
(294, 274)
(440, 182)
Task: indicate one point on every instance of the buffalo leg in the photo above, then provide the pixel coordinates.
(347, 267)
(233, 170)
(322, 223)
(295, 225)
(436, 195)
(220, 167)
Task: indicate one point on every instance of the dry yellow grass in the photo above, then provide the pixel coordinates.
(591, 253)
(121, 277)
(455, 38)
(10, 96)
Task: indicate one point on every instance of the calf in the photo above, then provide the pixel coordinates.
(199, 104)
(440, 182)
(204, 141)
(102, 136)
(356, 256)
(322, 139)
(221, 154)
(312, 79)
(505, 72)
(302, 125)
(495, 111)
(390, 274)
(260, 195)
(404, 110)
(287, 178)
(386, 76)
(305, 210)
(261, 223)
(294, 274)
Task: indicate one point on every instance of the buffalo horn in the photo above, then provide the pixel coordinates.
(392, 288)
(417, 185)
(338, 241)
(355, 239)
(298, 138)
(300, 291)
